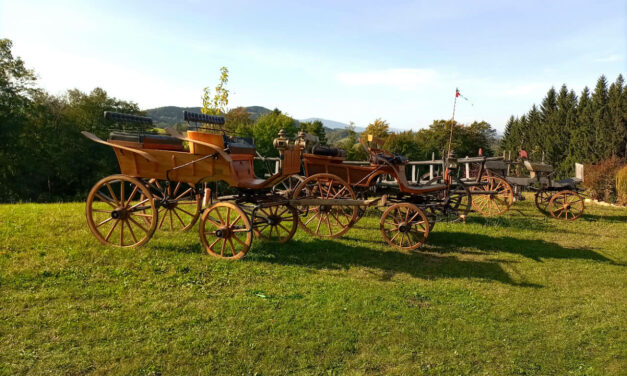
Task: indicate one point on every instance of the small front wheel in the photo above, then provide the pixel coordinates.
(276, 223)
(225, 231)
(404, 226)
(566, 205)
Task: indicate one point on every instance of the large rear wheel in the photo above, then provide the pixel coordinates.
(120, 211)
(179, 204)
(329, 220)
(493, 197)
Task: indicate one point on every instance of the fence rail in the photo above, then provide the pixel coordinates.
(435, 166)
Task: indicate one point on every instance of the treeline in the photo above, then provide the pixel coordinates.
(43, 156)
(568, 129)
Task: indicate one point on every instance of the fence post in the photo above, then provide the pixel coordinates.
(413, 173)
(467, 170)
(431, 166)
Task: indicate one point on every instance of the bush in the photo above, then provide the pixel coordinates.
(600, 179)
(621, 185)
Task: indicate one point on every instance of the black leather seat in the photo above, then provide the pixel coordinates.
(239, 145)
(328, 151)
(395, 159)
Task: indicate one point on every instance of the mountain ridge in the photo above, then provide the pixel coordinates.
(171, 115)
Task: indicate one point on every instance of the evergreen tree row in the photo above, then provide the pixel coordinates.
(566, 129)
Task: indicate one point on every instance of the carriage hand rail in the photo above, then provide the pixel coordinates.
(174, 133)
(95, 138)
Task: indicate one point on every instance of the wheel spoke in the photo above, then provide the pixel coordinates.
(113, 196)
(183, 194)
(122, 232)
(112, 228)
(130, 229)
(103, 222)
(103, 199)
(138, 225)
(130, 198)
(179, 218)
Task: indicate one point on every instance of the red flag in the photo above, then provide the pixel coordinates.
(456, 93)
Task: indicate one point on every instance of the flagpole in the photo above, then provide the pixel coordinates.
(450, 138)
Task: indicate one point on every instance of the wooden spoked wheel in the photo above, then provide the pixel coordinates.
(454, 203)
(331, 220)
(567, 205)
(275, 223)
(495, 203)
(542, 199)
(121, 211)
(404, 226)
(286, 187)
(178, 203)
(225, 231)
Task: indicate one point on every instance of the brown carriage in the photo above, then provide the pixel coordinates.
(160, 185)
(410, 210)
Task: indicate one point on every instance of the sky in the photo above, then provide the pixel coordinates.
(341, 60)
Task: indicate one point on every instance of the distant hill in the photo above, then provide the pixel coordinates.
(171, 115)
(332, 124)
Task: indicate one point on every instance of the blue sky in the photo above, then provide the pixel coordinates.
(340, 60)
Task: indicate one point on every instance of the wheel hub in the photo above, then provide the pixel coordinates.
(325, 208)
(273, 220)
(119, 214)
(223, 233)
(404, 227)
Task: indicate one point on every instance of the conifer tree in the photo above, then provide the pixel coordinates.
(601, 120)
(617, 102)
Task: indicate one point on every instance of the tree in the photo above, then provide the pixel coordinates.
(378, 128)
(617, 106)
(267, 129)
(16, 94)
(216, 105)
(403, 143)
(601, 120)
(315, 128)
(238, 120)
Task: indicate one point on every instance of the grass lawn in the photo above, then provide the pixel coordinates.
(521, 294)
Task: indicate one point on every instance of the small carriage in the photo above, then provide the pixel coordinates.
(561, 199)
(410, 210)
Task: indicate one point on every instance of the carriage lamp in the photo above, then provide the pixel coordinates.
(452, 161)
(281, 143)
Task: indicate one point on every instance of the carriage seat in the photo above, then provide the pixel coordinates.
(239, 145)
(396, 159)
(567, 183)
(328, 151)
(148, 141)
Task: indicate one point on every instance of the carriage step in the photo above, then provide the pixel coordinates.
(337, 201)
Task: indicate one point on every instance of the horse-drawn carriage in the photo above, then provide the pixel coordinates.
(160, 183)
(561, 199)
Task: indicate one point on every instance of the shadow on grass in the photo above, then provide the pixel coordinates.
(532, 248)
(329, 254)
(605, 218)
(519, 223)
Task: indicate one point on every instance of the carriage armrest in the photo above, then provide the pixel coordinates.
(538, 167)
(174, 133)
(100, 141)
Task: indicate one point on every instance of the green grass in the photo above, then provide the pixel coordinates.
(516, 295)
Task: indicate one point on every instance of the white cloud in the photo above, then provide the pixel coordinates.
(526, 89)
(609, 59)
(399, 78)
